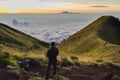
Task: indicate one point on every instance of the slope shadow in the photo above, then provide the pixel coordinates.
(110, 31)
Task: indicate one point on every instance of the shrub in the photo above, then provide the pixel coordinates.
(99, 60)
(6, 59)
(6, 55)
(74, 58)
(92, 63)
(66, 62)
(112, 65)
(76, 63)
(58, 62)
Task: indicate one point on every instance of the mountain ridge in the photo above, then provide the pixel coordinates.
(12, 38)
(91, 42)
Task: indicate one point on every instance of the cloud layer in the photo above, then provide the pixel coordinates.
(100, 6)
(43, 6)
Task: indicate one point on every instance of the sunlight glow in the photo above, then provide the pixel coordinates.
(13, 11)
(56, 7)
(4, 11)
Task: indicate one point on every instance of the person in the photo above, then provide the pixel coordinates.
(52, 54)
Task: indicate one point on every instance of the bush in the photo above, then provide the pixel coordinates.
(76, 63)
(92, 63)
(6, 55)
(6, 59)
(99, 60)
(74, 58)
(66, 62)
(112, 65)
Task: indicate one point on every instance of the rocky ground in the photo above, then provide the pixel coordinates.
(37, 72)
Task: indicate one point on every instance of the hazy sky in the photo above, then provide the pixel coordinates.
(56, 6)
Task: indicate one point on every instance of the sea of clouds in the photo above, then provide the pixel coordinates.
(55, 33)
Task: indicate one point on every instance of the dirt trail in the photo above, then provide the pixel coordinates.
(37, 72)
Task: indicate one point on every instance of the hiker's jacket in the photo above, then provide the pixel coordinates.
(52, 53)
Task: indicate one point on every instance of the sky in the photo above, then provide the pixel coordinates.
(57, 6)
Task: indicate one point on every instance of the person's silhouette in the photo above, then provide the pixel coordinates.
(52, 54)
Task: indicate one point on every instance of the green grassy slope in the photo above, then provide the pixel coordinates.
(12, 39)
(100, 39)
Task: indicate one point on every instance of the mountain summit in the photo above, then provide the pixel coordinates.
(109, 30)
(99, 39)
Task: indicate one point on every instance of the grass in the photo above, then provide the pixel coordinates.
(13, 39)
(12, 59)
(68, 61)
(65, 62)
(6, 59)
(100, 39)
(15, 45)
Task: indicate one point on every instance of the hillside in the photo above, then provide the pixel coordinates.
(100, 39)
(14, 40)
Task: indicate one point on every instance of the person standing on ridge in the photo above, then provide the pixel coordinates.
(52, 54)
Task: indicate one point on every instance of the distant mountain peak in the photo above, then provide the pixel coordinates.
(67, 12)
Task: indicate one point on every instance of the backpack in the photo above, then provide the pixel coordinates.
(52, 52)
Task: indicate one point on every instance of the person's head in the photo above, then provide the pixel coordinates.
(52, 43)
